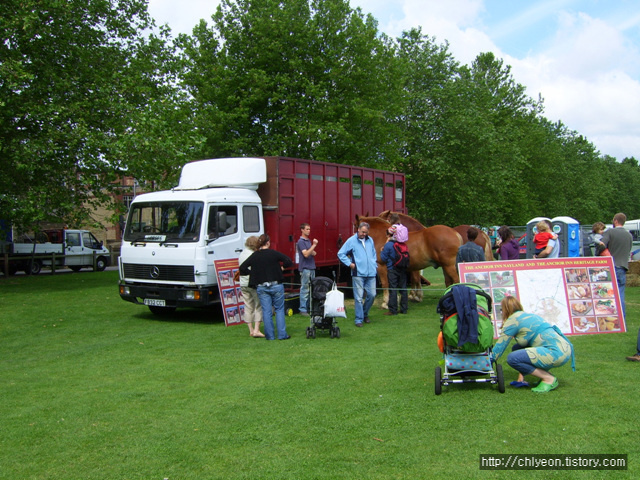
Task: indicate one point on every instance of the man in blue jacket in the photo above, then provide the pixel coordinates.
(359, 254)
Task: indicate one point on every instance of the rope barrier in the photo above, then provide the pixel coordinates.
(408, 289)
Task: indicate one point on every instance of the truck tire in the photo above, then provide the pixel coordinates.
(33, 267)
(101, 264)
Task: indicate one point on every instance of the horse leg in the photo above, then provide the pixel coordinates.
(415, 294)
(450, 275)
(384, 282)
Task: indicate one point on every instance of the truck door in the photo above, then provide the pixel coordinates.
(75, 253)
(90, 244)
(228, 226)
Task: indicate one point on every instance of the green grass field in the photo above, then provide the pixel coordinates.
(97, 388)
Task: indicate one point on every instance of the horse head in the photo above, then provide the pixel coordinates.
(411, 223)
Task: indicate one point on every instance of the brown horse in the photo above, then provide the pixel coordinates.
(482, 239)
(435, 247)
(416, 280)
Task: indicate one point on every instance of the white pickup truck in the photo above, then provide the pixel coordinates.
(73, 249)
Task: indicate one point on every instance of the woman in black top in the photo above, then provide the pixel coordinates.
(264, 268)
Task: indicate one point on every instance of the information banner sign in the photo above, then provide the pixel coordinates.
(230, 293)
(579, 295)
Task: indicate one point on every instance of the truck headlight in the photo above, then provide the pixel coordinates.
(192, 295)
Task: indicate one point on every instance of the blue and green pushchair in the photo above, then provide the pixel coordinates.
(466, 338)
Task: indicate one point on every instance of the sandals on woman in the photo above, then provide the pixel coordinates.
(545, 387)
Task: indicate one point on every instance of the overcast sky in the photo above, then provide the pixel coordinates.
(581, 56)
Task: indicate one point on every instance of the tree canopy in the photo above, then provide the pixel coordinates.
(89, 92)
(84, 97)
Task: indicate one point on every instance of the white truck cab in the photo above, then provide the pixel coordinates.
(172, 238)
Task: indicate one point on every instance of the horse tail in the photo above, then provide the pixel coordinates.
(459, 238)
(488, 251)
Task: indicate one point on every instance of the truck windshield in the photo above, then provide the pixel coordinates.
(164, 222)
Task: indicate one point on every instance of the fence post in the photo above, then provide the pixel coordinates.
(5, 261)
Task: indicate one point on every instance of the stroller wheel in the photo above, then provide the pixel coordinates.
(500, 378)
(313, 332)
(438, 381)
(332, 333)
(308, 332)
(337, 333)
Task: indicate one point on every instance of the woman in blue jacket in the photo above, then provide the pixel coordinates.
(540, 345)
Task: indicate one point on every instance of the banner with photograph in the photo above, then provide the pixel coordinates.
(230, 293)
(579, 295)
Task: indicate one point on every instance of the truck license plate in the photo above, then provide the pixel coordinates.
(154, 303)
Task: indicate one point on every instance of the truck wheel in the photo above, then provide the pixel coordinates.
(33, 268)
(101, 264)
(162, 310)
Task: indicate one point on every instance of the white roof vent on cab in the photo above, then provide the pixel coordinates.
(243, 172)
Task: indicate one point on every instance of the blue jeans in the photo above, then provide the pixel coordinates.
(306, 276)
(360, 286)
(272, 296)
(621, 278)
(519, 360)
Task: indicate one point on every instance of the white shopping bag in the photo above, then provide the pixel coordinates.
(334, 304)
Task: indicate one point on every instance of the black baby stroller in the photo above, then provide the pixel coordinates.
(320, 286)
(466, 338)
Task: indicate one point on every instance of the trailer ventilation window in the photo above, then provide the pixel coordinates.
(251, 218)
(379, 189)
(356, 186)
(398, 190)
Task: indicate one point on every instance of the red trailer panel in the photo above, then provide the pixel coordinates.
(326, 195)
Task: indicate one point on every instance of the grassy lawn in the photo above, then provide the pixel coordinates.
(97, 388)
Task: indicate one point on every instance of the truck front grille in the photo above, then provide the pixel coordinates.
(174, 273)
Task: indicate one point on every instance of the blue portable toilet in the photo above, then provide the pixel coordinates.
(531, 232)
(568, 231)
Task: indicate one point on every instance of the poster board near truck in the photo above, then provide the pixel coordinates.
(579, 295)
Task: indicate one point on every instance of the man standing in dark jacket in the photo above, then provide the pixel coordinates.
(470, 251)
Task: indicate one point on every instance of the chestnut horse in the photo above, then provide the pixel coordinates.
(435, 247)
(482, 239)
(416, 280)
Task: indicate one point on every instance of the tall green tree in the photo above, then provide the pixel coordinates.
(427, 72)
(302, 78)
(473, 116)
(83, 91)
